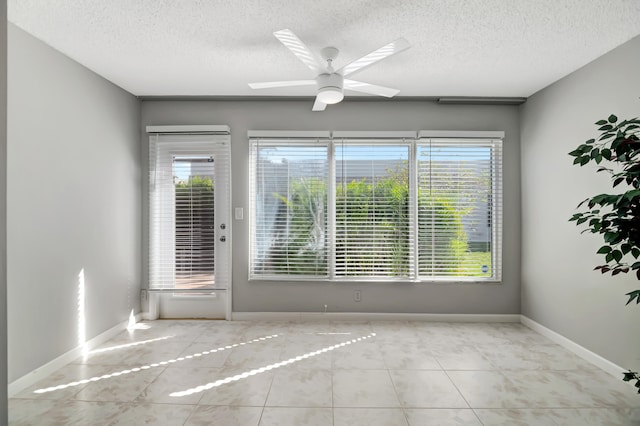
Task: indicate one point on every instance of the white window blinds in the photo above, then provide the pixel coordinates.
(289, 182)
(372, 222)
(459, 200)
(386, 208)
(188, 204)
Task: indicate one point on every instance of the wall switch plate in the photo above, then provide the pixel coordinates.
(357, 296)
(239, 213)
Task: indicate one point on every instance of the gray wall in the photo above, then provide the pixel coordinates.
(382, 115)
(559, 288)
(3, 212)
(74, 202)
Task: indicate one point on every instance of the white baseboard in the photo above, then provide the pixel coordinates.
(370, 316)
(581, 351)
(147, 316)
(40, 373)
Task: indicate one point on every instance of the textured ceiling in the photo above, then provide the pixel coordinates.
(216, 47)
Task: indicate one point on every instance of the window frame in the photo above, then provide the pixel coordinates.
(354, 140)
(308, 139)
(496, 193)
(493, 139)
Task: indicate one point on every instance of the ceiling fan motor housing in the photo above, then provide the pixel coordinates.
(330, 87)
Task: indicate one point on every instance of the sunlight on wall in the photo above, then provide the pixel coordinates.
(132, 325)
(255, 371)
(132, 321)
(82, 320)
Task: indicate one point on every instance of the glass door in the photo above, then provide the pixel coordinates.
(189, 212)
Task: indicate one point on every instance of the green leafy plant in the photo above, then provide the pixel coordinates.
(632, 375)
(615, 216)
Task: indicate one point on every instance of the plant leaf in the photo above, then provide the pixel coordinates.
(610, 237)
(633, 295)
(612, 118)
(617, 255)
(606, 136)
(632, 194)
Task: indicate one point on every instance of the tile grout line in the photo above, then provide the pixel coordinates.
(194, 408)
(273, 378)
(395, 390)
(333, 403)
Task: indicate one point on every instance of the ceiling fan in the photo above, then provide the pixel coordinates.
(331, 83)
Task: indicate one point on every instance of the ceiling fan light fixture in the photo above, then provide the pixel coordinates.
(330, 95)
(330, 82)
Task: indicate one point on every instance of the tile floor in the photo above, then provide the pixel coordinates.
(327, 373)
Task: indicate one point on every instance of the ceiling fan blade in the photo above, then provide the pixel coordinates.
(293, 43)
(372, 89)
(290, 83)
(318, 106)
(384, 52)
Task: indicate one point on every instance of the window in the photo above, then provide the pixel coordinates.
(416, 208)
(289, 188)
(459, 199)
(372, 209)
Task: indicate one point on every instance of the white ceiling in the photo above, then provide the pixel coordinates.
(215, 47)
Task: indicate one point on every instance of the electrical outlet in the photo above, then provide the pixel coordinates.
(357, 296)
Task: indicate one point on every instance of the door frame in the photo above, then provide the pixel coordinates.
(221, 150)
